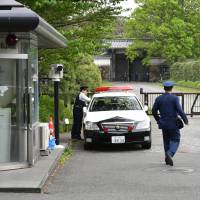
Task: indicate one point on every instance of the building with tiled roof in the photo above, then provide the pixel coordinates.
(116, 66)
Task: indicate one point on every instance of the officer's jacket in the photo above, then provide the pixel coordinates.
(79, 103)
(169, 107)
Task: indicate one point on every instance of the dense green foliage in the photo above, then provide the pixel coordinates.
(189, 84)
(188, 71)
(168, 29)
(87, 72)
(84, 23)
(47, 109)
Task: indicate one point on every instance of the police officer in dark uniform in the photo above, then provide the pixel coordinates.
(80, 102)
(169, 108)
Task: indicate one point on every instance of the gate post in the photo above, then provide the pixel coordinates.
(183, 102)
(146, 99)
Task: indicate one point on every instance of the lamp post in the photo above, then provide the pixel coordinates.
(56, 74)
(56, 111)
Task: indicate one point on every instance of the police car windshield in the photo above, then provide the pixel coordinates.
(115, 103)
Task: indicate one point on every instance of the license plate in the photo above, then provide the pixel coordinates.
(118, 139)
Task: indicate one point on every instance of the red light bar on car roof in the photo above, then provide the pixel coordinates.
(113, 88)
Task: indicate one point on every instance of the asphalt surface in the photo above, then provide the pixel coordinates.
(128, 173)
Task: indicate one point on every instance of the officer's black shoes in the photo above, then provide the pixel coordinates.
(74, 139)
(80, 139)
(168, 160)
(77, 138)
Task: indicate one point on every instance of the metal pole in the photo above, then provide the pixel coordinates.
(56, 111)
(146, 102)
(183, 102)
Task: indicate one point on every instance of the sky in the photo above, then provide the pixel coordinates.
(128, 4)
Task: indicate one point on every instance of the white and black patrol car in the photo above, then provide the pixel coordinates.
(116, 116)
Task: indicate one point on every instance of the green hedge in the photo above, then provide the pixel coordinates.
(87, 73)
(191, 84)
(187, 71)
(47, 109)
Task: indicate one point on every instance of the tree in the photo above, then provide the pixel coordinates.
(165, 28)
(84, 23)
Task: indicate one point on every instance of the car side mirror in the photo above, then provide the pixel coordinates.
(146, 108)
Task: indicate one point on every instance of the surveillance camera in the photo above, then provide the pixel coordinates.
(56, 71)
(59, 68)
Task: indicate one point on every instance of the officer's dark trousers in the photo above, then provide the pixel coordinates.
(171, 140)
(77, 124)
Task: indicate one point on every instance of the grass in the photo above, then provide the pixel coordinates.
(106, 83)
(66, 155)
(182, 88)
(186, 89)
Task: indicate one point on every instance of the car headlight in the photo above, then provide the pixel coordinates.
(91, 126)
(143, 125)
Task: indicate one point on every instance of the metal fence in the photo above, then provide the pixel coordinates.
(190, 101)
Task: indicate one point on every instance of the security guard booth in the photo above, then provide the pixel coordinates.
(22, 32)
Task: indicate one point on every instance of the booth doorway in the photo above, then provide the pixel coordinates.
(14, 111)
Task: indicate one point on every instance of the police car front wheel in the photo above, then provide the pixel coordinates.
(146, 145)
(88, 146)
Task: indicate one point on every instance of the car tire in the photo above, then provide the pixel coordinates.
(146, 145)
(88, 146)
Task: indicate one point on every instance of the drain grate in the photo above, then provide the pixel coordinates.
(182, 170)
(154, 167)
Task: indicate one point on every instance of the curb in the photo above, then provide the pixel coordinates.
(44, 174)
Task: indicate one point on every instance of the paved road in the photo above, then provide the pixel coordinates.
(128, 173)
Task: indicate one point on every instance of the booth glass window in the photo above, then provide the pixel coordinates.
(13, 134)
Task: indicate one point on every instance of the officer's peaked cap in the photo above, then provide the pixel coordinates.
(83, 87)
(168, 83)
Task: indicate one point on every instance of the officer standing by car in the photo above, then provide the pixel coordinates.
(80, 102)
(169, 108)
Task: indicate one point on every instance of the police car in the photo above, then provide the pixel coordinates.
(116, 116)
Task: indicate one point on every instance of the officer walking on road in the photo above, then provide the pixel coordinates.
(169, 108)
(80, 102)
